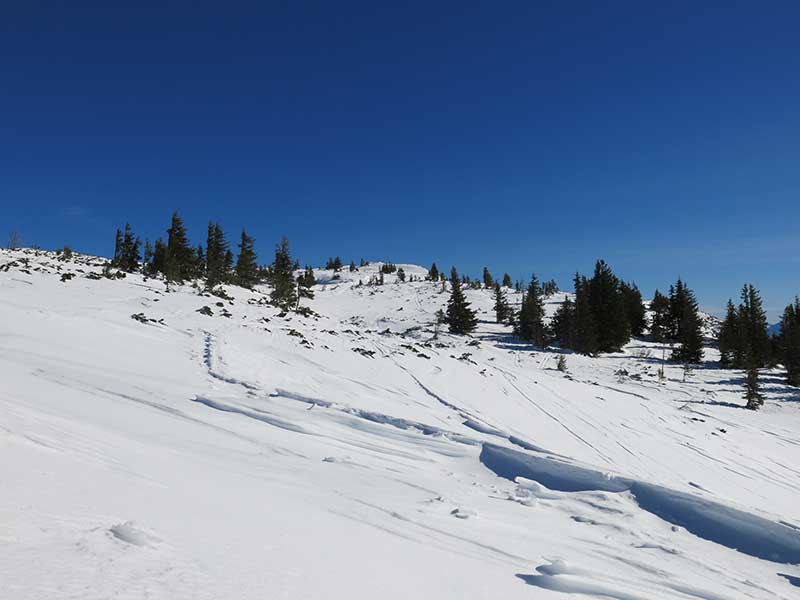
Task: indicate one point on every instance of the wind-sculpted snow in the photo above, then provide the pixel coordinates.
(736, 529)
(225, 452)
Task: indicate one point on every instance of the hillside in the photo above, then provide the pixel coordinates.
(153, 451)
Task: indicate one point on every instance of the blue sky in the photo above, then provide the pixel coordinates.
(527, 136)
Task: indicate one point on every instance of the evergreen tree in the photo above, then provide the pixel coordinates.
(790, 342)
(754, 342)
(728, 339)
(200, 261)
(179, 262)
(460, 317)
(564, 324)
(115, 262)
(283, 293)
(608, 309)
(752, 388)
(530, 320)
(488, 282)
(659, 320)
(246, 267)
(433, 272)
(129, 257)
(507, 280)
(501, 308)
(687, 325)
(305, 282)
(634, 308)
(352, 266)
(216, 252)
(159, 263)
(585, 327)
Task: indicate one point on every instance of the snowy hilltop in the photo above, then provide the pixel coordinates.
(161, 441)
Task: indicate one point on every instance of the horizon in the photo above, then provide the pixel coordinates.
(663, 140)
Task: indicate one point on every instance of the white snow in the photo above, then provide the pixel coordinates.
(179, 455)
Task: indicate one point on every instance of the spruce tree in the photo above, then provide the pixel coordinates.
(564, 324)
(608, 309)
(129, 257)
(585, 328)
(530, 320)
(753, 335)
(352, 266)
(147, 261)
(488, 282)
(283, 293)
(305, 281)
(790, 342)
(507, 280)
(687, 325)
(216, 251)
(433, 272)
(159, 263)
(460, 317)
(179, 262)
(501, 308)
(634, 308)
(246, 268)
(115, 262)
(659, 319)
(752, 388)
(728, 339)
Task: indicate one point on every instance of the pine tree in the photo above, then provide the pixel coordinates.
(488, 282)
(728, 338)
(433, 272)
(687, 325)
(660, 314)
(283, 293)
(353, 267)
(634, 308)
(501, 308)
(147, 261)
(608, 309)
(790, 342)
(246, 268)
(115, 262)
(460, 317)
(129, 257)
(179, 261)
(216, 252)
(530, 320)
(507, 280)
(752, 388)
(200, 261)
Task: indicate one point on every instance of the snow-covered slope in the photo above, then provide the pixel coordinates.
(249, 454)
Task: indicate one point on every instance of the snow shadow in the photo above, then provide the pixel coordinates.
(730, 527)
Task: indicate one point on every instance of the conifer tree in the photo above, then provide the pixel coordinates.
(753, 335)
(283, 293)
(530, 320)
(660, 314)
(246, 268)
(179, 262)
(790, 342)
(216, 252)
(129, 257)
(608, 309)
(115, 262)
(352, 266)
(501, 308)
(433, 272)
(564, 324)
(305, 282)
(585, 327)
(159, 263)
(460, 317)
(200, 261)
(507, 280)
(728, 339)
(686, 324)
(752, 388)
(488, 282)
(634, 308)
(147, 261)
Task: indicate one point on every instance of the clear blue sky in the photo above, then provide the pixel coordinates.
(528, 136)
